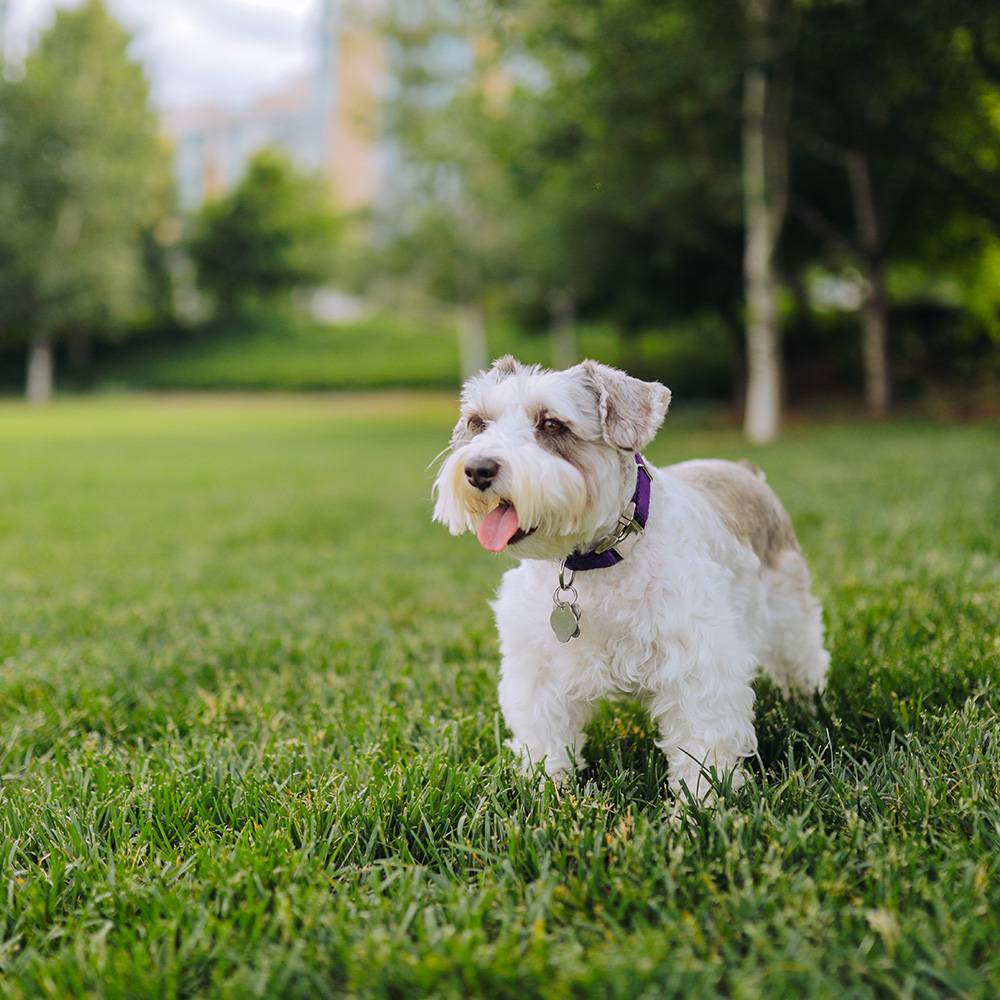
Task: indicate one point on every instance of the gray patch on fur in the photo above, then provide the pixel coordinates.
(752, 467)
(568, 447)
(462, 433)
(747, 505)
(631, 410)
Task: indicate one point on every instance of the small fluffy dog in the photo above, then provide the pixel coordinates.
(669, 585)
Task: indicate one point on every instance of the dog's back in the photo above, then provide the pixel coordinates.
(748, 507)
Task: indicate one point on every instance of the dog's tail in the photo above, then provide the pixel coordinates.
(752, 467)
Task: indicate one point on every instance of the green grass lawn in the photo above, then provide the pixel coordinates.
(249, 740)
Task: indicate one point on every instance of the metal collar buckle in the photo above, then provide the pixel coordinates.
(627, 523)
(628, 527)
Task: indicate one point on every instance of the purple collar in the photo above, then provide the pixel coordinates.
(632, 521)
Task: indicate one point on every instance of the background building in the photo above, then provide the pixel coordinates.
(326, 121)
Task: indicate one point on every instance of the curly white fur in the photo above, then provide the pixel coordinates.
(682, 623)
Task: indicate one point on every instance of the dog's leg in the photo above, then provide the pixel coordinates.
(705, 715)
(796, 659)
(547, 724)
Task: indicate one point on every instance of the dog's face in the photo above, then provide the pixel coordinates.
(541, 461)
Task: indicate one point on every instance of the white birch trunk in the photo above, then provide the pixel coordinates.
(562, 332)
(763, 214)
(473, 352)
(875, 344)
(40, 375)
(39, 380)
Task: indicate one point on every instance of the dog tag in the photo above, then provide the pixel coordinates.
(565, 621)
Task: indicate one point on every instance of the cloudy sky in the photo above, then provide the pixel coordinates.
(197, 51)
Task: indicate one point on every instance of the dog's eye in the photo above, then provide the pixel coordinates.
(476, 424)
(552, 426)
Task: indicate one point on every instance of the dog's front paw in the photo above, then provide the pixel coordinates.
(533, 763)
(556, 768)
(561, 777)
(693, 782)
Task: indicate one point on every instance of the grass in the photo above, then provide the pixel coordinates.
(249, 742)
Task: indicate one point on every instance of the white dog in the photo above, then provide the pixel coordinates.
(668, 585)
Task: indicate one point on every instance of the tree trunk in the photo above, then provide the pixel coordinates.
(875, 342)
(763, 207)
(38, 386)
(875, 308)
(473, 352)
(562, 332)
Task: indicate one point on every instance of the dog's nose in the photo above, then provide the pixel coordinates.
(481, 472)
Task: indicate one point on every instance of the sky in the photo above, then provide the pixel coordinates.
(223, 52)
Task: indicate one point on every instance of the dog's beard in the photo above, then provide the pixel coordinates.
(549, 497)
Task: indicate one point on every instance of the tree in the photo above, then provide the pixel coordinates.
(444, 233)
(598, 176)
(636, 148)
(765, 199)
(657, 164)
(275, 232)
(890, 150)
(82, 172)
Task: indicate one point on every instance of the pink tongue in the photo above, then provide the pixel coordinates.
(498, 528)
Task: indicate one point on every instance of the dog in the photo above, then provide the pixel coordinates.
(670, 585)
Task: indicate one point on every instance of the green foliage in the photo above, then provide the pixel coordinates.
(554, 149)
(273, 234)
(628, 155)
(983, 288)
(250, 742)
(442, 230)
(916, 103)
(83, 178)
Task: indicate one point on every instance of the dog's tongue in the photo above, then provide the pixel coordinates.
(498, 528)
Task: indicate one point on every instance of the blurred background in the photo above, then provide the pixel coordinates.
(774, 206)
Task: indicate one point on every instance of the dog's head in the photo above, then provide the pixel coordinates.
(542, 461)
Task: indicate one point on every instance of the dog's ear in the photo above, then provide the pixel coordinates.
(631, 410)
(504, 367)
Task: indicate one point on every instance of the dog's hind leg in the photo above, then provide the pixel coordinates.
(794, 656)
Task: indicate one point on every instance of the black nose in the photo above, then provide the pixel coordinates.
(481, 472)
